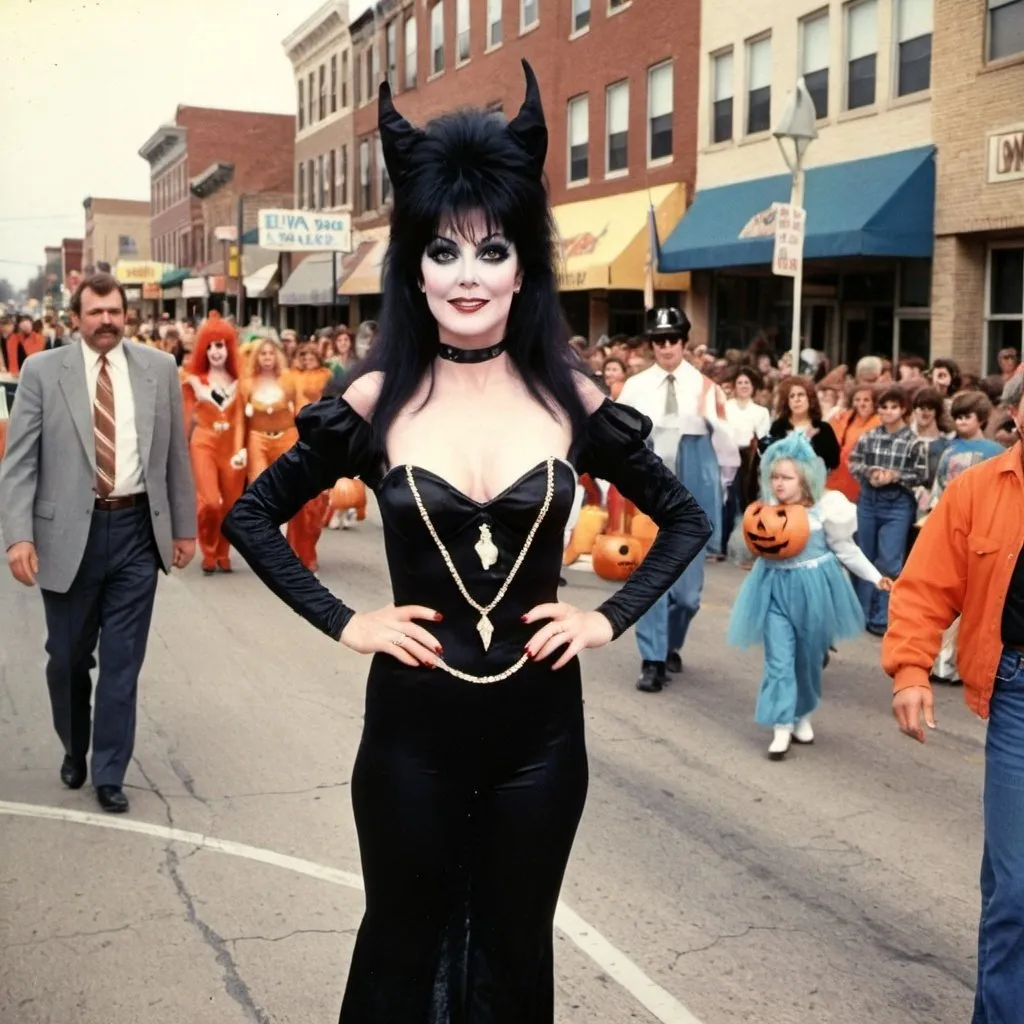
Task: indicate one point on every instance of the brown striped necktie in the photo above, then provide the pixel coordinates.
(104, 431)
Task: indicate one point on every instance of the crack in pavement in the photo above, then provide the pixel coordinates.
(288, 935)
(283, 792)
(734, 935)
(72, 935)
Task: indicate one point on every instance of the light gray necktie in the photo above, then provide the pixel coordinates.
(671, 402)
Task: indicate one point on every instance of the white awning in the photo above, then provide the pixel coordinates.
(261, 283)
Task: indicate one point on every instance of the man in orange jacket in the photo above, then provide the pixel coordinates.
(969, 561)
(24, 342)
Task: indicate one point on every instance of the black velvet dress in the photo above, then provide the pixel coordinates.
(466, 795)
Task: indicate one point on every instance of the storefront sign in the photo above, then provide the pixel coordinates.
(133, 293)
(1006, 157)
(151, 291)
(790, 222)
(194, 288)
(305, 231)
(139, 272)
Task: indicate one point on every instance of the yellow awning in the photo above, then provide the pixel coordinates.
(604, 241)
(363, 266)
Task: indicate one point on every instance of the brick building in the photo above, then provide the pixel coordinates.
(115, 229)
(259, 148)
(869, 185)
(621, 105)
(71, 250)
(978, 108)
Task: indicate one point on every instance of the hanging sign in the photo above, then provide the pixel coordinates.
(790, 224)
(305, 231)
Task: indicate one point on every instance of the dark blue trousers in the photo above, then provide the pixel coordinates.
(109, 603)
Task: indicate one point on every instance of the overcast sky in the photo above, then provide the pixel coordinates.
(86, 83)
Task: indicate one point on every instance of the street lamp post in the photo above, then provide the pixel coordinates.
(798, 127)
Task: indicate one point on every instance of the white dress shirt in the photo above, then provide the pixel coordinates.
(128, 465)
(747, 422)
(647, 392)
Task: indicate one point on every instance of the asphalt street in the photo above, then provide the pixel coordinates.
(707, 884)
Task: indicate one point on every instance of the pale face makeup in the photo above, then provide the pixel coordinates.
(217, 354)
(787, 484)
(469, 281)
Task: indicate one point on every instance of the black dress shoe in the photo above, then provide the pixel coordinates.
(73, 773)
(875, 630)
(674, 663)
(652, 677)
(112, 799)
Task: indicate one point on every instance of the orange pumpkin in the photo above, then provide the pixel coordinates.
(775, 531)
(592, 520)
(347, 494)
(643, 528)
(616, 556)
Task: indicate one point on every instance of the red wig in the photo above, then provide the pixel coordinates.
(214, 329)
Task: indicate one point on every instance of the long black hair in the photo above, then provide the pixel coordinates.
(460, 165)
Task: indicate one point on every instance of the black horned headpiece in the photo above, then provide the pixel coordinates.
(408, 149)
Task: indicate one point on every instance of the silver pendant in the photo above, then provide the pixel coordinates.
(486, 630)
(485, 547)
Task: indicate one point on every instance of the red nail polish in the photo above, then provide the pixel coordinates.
(439, 651)
(438, 617)
(522, 618)
(529, 653)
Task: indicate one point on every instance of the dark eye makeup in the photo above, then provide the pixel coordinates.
(490, 250)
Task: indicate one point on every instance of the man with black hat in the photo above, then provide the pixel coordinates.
(694, 441)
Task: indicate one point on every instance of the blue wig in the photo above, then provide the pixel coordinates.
(797, 449)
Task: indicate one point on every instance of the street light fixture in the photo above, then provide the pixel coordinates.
(798, 127)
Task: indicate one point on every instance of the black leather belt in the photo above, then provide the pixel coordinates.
(117, 504)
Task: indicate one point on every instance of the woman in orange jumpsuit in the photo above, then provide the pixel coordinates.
(213, 418)
(309, 377)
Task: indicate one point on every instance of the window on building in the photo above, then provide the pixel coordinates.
(437, 38)
(914, 46)
(343, 175)
(913, 310)
(365, 185)
(617, 115)
(580, 15)
(722, 96)
(493, 23)
(861, 53)
(310, 95)
(321, 191)
(300, 185)
(659, 111)
(323, 92)
(410, 52)
(1005, 304)
(372, 71)
(334, 83)
(614, 5)
(332, 180)
(302, 104)
(759, 85)
(814, 59)
(529, 13)
(344, 80)
(1005, 28)
(126, 246)
(357, 78)
(391, 52)
(385, 178)
(310, 185)
(578, 122)
(461, 31)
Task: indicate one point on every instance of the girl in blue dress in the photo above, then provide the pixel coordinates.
(799, 606)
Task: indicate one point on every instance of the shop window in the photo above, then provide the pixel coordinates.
(914, 46)
(660, 108)
(410, 52)
(461, 31)
(861, 54)
(437, 38)
(493, 23)
(814, 60)
(913, 312)
(580, 15)
(759, 85)
(578, 122)
(617, 112)
(721, 103)
(1005, 305)
(1005, 28)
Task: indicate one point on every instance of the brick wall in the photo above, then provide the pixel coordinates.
(616, 46)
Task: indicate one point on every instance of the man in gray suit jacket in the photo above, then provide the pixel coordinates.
(96, 496)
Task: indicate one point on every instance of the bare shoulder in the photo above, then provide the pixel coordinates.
(590, 394)
(363, 392)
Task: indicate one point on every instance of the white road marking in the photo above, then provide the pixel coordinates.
(648, 993)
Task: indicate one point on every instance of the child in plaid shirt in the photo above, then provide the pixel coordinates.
(888, 462)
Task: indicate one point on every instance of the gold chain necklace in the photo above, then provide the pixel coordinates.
(484, 627)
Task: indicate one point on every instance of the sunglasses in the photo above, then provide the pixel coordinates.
(665, 342)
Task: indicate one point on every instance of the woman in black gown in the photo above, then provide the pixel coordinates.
(471, 774)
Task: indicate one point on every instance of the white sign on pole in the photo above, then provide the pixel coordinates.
(790, 224)
(305, 231)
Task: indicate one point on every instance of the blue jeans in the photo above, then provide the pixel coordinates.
(663, 629)
(884, 518)
(1000, 994)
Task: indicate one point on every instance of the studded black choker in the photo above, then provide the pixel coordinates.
(470, 355)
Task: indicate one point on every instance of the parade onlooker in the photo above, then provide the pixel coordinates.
(344, 355)
(638, 360)
(94, 532)
(868, 370)
(889, 462)
(614, 374)
(848, 427)
(970, 411)
(798, 615)
(968, 562)
(1008, 360)
(910, 370)
(366, 335)
(797, 409)
(749, 422)
(22, 343)
(831, 394)
(945, 377)
(930, 423)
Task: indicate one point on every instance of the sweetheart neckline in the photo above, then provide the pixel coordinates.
(473, 501)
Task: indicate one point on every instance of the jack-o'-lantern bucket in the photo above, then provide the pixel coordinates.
(775, 531)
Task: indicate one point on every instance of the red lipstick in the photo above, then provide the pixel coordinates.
(468, 305)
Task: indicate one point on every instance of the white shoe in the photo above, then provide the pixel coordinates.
(780, 742)
(348, 518)
(803, 733)
(335, 523)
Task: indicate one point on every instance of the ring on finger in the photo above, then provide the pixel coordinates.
(399, 640)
